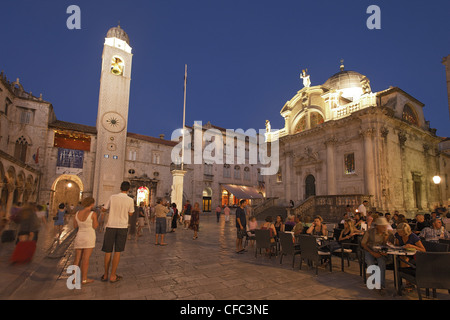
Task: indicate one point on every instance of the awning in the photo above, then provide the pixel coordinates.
(243, 192)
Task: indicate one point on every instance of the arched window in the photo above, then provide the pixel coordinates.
(409, 115)
(226, 171)
(117, 66)
(301, 125)
(315, 119)
(20, 150)
(237, 172)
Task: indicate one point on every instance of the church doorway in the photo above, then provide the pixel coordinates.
(67, 189)
(207, 196)
(310, 186)
(143, 195)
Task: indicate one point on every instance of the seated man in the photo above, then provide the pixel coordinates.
(435, 232)
(377, 236)
(298, 228)
(420, 223)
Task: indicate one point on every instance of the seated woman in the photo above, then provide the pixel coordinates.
(358, 221)
(348, 233)
(407, 239)
(279, 225)
(268, 225)
(318, 228)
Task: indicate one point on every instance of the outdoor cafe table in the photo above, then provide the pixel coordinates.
(396, 253)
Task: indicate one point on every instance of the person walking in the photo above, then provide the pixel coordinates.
(120, 206)
(160, 212)
(175, 217)
(195, 220)
(241, 226)
(84, 243)
(187, 214)
(226, 212)
(59, 219)
(218, 212)
(141, 219)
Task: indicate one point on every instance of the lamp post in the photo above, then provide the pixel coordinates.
(437, 181)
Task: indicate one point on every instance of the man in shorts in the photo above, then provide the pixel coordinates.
(241, 226)
(120, 206)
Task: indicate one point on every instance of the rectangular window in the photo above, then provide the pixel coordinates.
(25, 117)
(349, 161)
(156, 158)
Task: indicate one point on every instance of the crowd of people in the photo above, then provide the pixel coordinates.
(121, 219)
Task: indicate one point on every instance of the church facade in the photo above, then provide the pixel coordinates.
(342, 139)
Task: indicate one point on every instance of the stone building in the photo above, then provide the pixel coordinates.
(343, 143)
(47, 160)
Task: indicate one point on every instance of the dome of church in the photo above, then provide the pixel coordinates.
(348, 82)
(119, 33)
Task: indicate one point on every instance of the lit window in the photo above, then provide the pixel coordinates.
(301, 125)
(315, 119)
(410, 116)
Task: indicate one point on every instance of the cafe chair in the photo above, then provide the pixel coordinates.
(445, 241)
(435, 246)
(344, 252)
(431, 272)
(310, 252)
(263, 241)
(249, 237)
(288, 247)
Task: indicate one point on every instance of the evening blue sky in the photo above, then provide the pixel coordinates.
(244, 57)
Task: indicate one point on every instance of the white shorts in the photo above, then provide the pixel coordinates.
(187, 217)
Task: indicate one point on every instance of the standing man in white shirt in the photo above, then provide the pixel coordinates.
(362, 209)
(120, 206)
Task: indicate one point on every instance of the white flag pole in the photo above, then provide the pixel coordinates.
(184, 117)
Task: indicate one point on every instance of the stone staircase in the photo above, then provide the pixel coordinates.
(270, 207)
(330, 208)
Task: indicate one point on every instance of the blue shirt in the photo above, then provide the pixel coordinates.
(412, 239)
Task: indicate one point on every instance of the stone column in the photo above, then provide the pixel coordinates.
(287, 176)
(369, 167)
(331, 172)
(177, 188)
(9, 202)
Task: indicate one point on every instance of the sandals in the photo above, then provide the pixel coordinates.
(103, 279)
(118, 278)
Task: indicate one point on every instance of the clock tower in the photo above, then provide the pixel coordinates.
(112, 115)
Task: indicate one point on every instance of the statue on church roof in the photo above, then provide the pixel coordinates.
(306, 78)
(268, 126)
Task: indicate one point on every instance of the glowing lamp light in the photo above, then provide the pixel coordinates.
(436, 179)
(69, 185)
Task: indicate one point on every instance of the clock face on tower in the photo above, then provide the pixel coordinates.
(113, 122)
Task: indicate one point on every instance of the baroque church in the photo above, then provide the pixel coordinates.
(341, 143)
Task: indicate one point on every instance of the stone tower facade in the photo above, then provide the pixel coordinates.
(112, 115)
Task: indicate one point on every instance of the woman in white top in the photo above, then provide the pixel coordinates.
(86, 222)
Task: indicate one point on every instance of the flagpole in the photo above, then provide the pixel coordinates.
(184, 116)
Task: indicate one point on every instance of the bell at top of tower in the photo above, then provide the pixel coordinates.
(119, 33)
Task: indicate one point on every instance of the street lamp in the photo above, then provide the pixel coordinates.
(436, 179)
